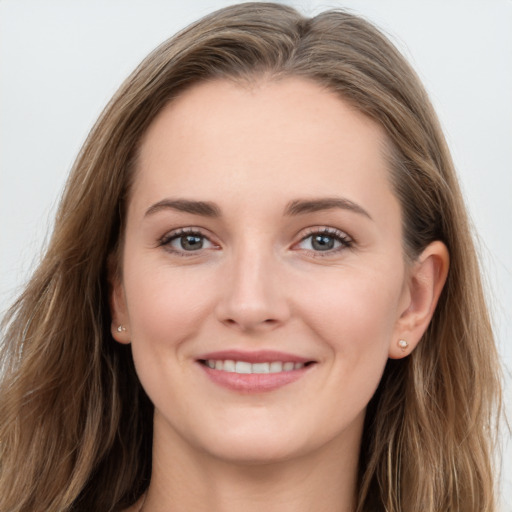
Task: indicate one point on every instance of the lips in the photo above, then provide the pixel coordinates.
(254, 372)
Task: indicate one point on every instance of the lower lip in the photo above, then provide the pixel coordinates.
(254, 382)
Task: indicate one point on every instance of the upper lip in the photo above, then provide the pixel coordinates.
(259, 356)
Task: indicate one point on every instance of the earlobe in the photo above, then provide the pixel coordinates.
(426, 280)
(119, 326)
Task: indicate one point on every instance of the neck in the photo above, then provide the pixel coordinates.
(187, 479)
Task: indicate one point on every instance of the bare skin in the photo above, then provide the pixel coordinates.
(262, 219)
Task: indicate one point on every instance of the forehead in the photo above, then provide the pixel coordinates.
(290, 136)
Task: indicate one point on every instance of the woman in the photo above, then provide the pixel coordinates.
(261, 291)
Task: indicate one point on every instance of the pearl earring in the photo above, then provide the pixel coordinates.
(403, 345)
(121, 328)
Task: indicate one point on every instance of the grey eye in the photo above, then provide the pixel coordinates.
(325, 241)
(322, 242)
(190, 242)
(187, 242)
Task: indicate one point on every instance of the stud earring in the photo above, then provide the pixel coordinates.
(121, 328)
(403, 345)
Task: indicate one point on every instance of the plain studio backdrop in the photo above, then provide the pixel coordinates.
(61, 61)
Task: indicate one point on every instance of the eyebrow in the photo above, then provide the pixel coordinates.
(204, 208)
(301, 206)
(296, 207)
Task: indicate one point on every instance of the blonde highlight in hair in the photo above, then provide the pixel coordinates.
(76, 425)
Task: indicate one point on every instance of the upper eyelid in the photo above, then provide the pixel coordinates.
(188, 230)
(346, 241)
(299, 236)
(166, 241)
(324, 229)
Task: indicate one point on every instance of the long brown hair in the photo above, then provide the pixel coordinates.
(75, 424)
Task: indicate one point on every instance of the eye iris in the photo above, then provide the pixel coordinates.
(191, 242)
(322, 242)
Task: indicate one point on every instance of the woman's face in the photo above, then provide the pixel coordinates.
(262, 236)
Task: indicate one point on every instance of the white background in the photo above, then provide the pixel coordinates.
(60, 62)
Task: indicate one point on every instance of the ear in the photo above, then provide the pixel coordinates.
(120, 327)
(424, 285)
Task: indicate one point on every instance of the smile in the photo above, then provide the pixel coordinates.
(244, 367)
(254, 372)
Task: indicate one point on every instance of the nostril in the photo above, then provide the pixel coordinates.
(250, 323)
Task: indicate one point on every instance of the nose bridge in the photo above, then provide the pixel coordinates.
(251, 295)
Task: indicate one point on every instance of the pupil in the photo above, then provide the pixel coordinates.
(322, 242)
(191, 242)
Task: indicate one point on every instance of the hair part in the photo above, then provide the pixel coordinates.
(76, 425)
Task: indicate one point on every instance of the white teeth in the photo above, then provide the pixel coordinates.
(276, 367)
(229, 366)
(244, 367)
(261, 368)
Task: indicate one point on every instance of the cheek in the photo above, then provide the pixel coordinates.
(166, 309)
(361, 306)
(354, 317)
(355, 320)
(166, 305)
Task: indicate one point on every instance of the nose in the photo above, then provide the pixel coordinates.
(252, 293)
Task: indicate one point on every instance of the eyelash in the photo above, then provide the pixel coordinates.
(339, 236)
(166, 240)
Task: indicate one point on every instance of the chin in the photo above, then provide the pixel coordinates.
(256, 452)
(253, 443)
